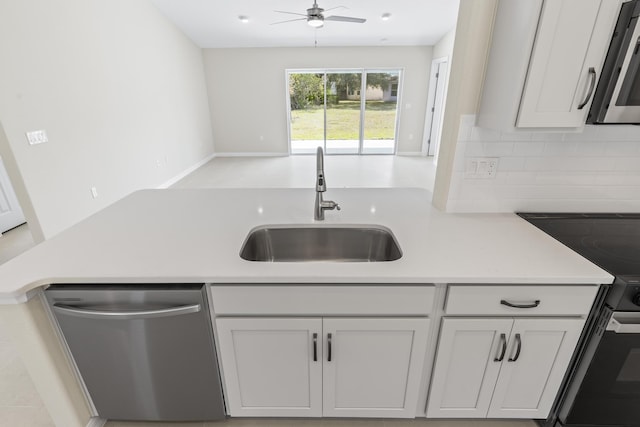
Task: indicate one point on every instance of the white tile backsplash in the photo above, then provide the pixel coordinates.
(596, 170)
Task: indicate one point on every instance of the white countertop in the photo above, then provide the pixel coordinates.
(180, 235)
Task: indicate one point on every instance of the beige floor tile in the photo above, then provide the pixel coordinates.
(24, 416)
(152, 424)
(14, 242)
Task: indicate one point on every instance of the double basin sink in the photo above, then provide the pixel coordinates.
(300, 243)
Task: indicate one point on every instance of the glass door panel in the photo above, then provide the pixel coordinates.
(306, 103)
(381, 106)
(343, 108)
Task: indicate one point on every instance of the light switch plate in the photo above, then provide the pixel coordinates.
(481, 167)
(37, 137)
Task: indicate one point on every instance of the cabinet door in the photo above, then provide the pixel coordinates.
(269, 367)
(572, 38)
(467, 367)
(528, 385)
(372, 367)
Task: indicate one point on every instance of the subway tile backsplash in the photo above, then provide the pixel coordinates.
(597, 170)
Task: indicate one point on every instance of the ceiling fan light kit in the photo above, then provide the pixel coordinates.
(315, 21)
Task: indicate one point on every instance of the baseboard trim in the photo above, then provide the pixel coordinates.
(252, 154)
(186, 172)
(96, 422)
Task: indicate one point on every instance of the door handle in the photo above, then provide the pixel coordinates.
(315, 347)
(518, 348)
(592, 85)
(125, 315)
(328, 347)
(503, 343)
(515, 305)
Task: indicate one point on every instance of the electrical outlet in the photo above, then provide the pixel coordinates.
(94, 192)
(37, 137)
(481, 167)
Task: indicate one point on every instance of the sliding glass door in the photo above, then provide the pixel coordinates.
(343, 111)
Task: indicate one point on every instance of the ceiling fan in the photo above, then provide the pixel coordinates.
(316, 18)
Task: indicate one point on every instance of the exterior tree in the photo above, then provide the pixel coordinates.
(306, 90)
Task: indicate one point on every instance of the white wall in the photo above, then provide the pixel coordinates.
(118, 89)
(444, 47)
(597, 170)
(247, 91)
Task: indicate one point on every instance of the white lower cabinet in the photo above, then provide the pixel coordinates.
(335, 367)
(500, 367)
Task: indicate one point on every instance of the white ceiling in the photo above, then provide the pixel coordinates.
(215, 23)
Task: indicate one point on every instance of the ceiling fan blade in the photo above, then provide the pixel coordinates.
(291, 13)
(345, 19)
(290, 20)
(337, 7)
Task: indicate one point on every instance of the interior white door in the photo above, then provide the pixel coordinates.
(538, 355)
(470, 353)
(435, 106)
(10, 212)
(372, 367)
(269, 366)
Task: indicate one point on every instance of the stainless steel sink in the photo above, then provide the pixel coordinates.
(299, 243)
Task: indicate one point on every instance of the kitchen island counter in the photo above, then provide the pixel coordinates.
(177, 235)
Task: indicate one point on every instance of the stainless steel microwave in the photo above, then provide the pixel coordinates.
(617, 96)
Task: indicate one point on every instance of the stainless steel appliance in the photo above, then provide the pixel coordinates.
(144, 352)
(603, 386)
(617, 96)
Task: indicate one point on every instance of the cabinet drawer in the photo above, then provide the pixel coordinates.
(310, 300)
(494, 300)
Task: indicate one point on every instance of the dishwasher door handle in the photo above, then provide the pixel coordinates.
(125, 315)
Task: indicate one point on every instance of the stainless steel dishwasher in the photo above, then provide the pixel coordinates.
(144, 352)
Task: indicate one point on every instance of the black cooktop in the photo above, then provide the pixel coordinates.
(611, 241)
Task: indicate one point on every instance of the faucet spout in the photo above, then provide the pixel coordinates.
(320, 182)
(321, 186)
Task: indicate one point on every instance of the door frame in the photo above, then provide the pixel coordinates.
(429, 145)
(363, 71)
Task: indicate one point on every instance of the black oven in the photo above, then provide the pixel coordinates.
(617, 96)
(602, 387)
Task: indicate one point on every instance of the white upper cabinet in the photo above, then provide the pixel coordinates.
(544, 62)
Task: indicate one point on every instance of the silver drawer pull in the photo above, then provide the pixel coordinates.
(516, 305)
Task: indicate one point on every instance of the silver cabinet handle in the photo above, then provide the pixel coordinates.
(125, 315)
(519, 347)
(515, 305)
(503, 342)
(592, 85)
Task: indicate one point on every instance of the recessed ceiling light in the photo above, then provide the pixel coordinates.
(384, 40)
(244, 19)
(386, 16)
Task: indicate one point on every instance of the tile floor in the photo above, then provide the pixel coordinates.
(299, 172)
(20, 404)
(262, 422)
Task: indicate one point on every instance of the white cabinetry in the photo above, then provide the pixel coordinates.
(326, 364)
(545, 59)
(509, 364)
(500, 368)
(269, 367)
